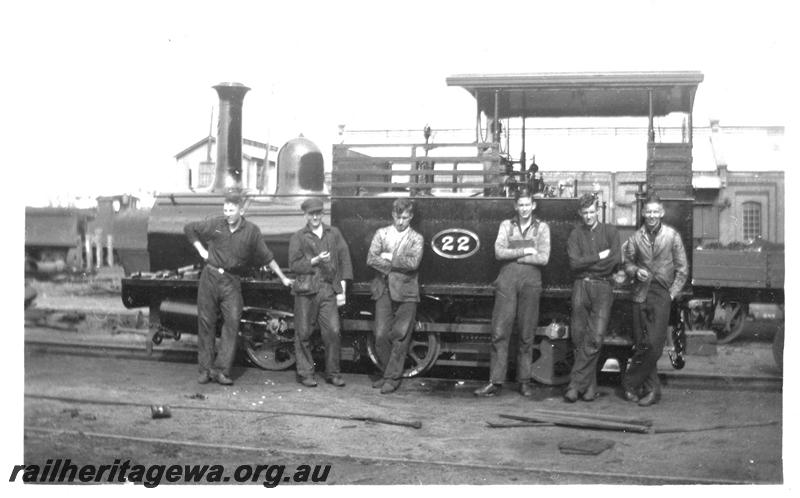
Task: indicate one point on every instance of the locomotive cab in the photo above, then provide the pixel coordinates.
(462, 192)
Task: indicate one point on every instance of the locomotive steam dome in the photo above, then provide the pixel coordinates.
(300, 168)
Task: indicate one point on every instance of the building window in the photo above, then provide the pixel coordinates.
(206, 174)
(751, 220)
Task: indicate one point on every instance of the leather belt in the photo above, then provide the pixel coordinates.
(221, 271)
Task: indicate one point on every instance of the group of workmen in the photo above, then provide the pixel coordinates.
(319, 258)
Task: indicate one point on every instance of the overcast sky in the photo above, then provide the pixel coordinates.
(104, 94)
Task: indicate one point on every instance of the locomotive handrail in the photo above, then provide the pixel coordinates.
(436, 185)
(410, 159)
(484, 145)
(420, 172)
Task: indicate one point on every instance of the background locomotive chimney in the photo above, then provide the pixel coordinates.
(229, 137)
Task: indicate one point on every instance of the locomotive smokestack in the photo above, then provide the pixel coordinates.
(229, 136)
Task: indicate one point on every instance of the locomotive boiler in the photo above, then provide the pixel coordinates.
(462, 192)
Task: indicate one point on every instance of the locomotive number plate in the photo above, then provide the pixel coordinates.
(455, 243)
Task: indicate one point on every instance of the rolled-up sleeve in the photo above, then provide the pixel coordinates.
(542, 255)
(263, 256)
(199, 230)
(501, 249)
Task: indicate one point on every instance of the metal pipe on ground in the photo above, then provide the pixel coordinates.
(583, 423)
(414, 424)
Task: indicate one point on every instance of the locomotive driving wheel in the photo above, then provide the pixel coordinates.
(552, 358)
(422, 352)
(729, 321)
(268, 338)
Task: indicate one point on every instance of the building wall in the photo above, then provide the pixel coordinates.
(718, 214)
(766, 189)
(197, 172)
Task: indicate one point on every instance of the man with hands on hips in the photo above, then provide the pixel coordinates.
(234, 246)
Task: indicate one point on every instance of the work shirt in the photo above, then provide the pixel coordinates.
(510, 247)
(660, 253)
(236, 251)
(584, 246)
(512, 240)
(305, 244)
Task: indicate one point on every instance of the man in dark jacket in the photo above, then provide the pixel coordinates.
(594, 252)
(234, 245)
(395, 252)
(656, 258)
(319, 255)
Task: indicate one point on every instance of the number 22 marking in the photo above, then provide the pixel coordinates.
(463, 243)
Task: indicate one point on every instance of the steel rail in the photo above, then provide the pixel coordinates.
(601, 477)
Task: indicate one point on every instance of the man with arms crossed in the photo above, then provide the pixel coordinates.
(655, 257)
(523, 244)
(594, 252)
(395, 252)
(234, 245)
(319, 255)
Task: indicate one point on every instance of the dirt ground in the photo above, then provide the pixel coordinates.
(453, 446)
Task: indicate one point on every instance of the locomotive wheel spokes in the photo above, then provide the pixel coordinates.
(732, 322)
(268, 339)
(422, 352)
(697, 317)
(552, 361)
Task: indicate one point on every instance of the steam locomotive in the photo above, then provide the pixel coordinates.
(462, 192)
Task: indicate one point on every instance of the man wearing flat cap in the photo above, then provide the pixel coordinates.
(319, 255)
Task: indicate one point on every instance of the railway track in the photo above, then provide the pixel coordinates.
(119, 422)
(181, 354)
(546, 475)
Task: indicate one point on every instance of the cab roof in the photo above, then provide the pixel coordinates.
(581, 94)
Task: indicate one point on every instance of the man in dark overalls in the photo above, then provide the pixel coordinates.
(656, 258)
(523, 243)
(234, 246)
(395, 253)
(594, 252)
(319, 255)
